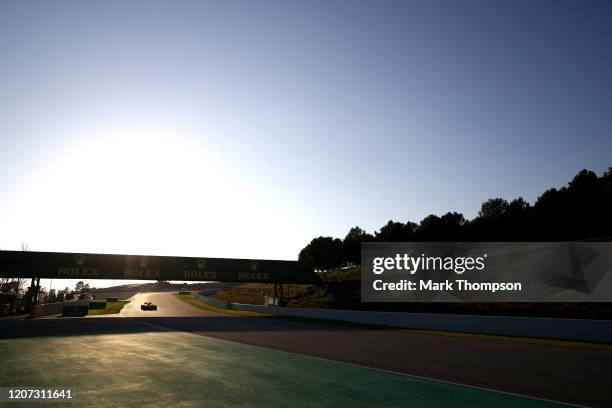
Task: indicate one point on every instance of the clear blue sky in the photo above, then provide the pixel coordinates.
(245, 129)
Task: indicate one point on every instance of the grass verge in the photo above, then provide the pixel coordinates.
(193, 301)
(111, 308)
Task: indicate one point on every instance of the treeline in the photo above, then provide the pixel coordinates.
(582, 210)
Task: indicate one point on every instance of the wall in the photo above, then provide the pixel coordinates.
(53, 308)
(213, 301)
(536, 327)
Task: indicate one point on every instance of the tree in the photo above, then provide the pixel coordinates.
(517, 207)
(351, 245)
(79, 286)
(10, 285)
(323, 253)
(396, 232)
(578, 211)
(493, 207)
(68, 294)
(51, 296)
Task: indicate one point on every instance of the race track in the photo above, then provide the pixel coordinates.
(578, 375)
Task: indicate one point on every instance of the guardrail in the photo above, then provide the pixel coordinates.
(213, 301)
(599, 331)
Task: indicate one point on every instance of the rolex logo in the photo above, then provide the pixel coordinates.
(79, 260)
(201, 263)
(253, 266)
(143, 262)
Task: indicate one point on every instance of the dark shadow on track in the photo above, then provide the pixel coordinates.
(81, 326)
(575, 375)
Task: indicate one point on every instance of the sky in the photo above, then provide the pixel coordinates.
(245, 129)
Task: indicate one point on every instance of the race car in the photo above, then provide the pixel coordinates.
(148, 306)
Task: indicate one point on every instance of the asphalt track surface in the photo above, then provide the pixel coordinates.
(567, 374)
(166, 368)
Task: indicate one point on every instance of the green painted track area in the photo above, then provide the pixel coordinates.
(169, 368)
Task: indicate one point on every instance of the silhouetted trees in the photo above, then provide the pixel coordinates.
(396, 232)
(323, 253)
(79, 286)
(351, 245)
(582, 210)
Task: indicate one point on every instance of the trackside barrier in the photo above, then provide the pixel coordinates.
(97, 305)
(53, 308)
(213, 301)
(37, 310)
(209, 292)
(599, 331)
(75, 310)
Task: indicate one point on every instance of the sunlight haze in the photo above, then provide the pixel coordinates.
(245, 130)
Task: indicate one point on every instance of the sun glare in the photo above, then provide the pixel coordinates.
(141, 190)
